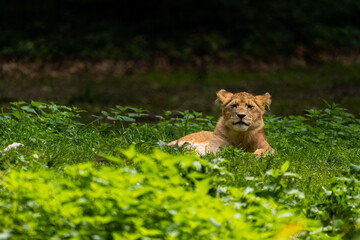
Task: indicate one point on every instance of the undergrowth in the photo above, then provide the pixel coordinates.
(115, 177)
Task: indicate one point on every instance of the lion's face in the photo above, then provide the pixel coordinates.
(243, 111)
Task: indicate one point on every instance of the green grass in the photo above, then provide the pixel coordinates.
(115, 178)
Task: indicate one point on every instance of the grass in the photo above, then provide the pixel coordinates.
(312, 179)
(292, 90)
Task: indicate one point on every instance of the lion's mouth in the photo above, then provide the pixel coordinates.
(241, 123)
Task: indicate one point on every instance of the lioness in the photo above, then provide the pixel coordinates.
(240, 125)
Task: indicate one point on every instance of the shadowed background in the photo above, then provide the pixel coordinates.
(163, 55)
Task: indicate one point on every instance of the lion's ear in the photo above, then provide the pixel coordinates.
(264, 100)
(223, 96)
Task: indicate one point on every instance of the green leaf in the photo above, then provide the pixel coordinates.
(300, 194)
(149, 232)
(130, 153)
(125, 119)
(38, 104)
(28, 109)
(203, 186)
(112, 158)
(291, 175)
(285, 166)
(17, 115)
(122, 109)
(354, 168)
(215, 223)
(18, 103)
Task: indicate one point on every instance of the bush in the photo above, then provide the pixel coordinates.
(164, 197)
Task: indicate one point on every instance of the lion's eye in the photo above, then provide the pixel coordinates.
(250, 106)
(234, 105)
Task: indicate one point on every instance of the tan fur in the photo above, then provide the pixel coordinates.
(241, 125)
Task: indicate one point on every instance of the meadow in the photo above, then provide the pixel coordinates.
(115, 177)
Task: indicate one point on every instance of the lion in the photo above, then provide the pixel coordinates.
(241, 125)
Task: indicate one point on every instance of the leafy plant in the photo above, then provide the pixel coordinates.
(164, 197)
(74, 180)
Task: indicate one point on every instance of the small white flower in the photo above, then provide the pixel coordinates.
(13, 146)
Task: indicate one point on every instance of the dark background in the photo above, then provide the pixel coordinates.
(94, 29)
(176, 54)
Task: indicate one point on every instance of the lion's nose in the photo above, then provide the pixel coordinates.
(241, 115)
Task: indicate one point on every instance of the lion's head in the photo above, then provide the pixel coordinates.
(243, 111)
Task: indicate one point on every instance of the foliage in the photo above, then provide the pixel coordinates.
(109, 179)
(324, 126)
(339, 210)
(229, 28)
(163, 197)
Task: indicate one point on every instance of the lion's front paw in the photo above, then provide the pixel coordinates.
(264, 151)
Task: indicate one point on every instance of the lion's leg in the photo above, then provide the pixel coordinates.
(215, 143)
(197, 141)
(264, 151)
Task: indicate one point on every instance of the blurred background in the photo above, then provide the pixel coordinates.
(175, 55)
